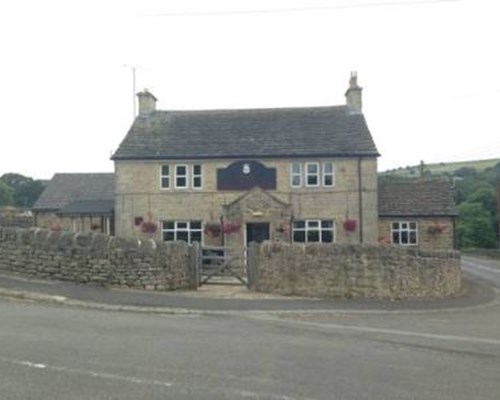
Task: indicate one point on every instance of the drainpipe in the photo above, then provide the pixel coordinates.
(360, 202)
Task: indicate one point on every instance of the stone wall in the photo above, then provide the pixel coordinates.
(349, 271)
(97, 258)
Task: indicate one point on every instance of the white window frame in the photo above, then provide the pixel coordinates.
(167, 177)
(325, 174)
(185, 176)
(181, 226)
(314, 225)
(194, 176)
(404, 227)
(295, 174)
(317, 174)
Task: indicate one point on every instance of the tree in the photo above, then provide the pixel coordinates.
(475, 228)
(6, 191)
(25, 190)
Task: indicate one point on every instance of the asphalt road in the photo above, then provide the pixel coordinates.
(54, 352)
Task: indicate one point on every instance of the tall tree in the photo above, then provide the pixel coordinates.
(6, 191)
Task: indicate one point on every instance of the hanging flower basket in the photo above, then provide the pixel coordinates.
(213, 230)
(350, 225)
(230, 227)
(149, 228)
(436, 229)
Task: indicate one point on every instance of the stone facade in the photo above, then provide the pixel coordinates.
(348, 271)
(97, 259)
(138, 195)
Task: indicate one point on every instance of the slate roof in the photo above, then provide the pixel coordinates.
(88, 207)
(64, 189)
(257, 133)
(419, 198)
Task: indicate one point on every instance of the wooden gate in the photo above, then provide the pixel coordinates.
(228, 265)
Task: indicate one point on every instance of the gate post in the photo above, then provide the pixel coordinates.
(252, 266)
(194, 265)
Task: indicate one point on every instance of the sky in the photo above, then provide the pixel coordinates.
(430, 71)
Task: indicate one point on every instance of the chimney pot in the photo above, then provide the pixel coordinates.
(353, 96)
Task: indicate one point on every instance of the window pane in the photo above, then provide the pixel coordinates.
(327, 236)
(313, 236)
(328, 168)
(404, 225)
(299, 224)
(328, 180)
(168, 236)
(296, 180)
(165, 170)
(195, 224)
(327, 224)
(312, 168)
(299, 236)
(312, 224)
(181, 182)
(165, 183)
(413, 225)
(404, 237)
(413, 238)
(395, 237)
(197, 169)
(195, 237)
(183, 236)
(197, 182)
(181, 170)
(182, 225)
(296, 168)
(168, 225)
(312, 180)
(395, 225)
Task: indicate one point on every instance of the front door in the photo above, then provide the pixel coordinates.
(257, 232)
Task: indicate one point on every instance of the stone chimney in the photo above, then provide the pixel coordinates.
(147, 102)
(353, 95)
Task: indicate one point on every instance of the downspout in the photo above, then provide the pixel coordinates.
(360, 202)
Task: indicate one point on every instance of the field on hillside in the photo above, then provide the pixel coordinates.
(441, 168)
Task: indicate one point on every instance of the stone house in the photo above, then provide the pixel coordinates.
(229, 177)
(418, 213)
(77, 202)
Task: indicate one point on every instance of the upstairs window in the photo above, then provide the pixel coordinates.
(296, 175)
(197, 176)
(181, 176)
(404, 233)
(310, 231)
(165, 177)
(312, 174)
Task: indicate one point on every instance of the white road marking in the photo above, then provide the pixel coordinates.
(368, 329)
(94, 374)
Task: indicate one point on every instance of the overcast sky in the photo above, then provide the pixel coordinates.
(430, 70)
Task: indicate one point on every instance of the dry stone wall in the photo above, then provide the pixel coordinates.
(348, 271)
(97, 258)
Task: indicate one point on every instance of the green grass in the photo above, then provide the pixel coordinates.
(442, 168)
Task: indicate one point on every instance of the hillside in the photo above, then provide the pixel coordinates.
(440, 168)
